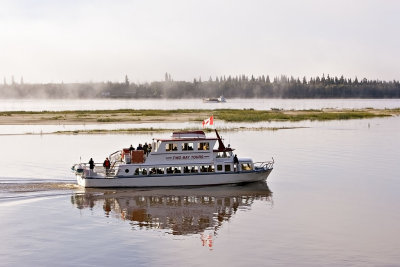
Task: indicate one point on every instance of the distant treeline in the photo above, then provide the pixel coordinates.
(230, 86)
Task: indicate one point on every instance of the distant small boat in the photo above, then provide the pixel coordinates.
(220, 99)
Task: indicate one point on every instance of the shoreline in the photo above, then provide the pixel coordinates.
(132, 116)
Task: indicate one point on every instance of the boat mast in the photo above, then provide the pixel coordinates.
(221, 146)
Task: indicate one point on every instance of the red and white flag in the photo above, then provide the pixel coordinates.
(209, 121)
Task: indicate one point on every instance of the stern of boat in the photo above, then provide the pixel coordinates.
(83, 173)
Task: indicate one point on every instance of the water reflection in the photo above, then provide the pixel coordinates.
(181, 211)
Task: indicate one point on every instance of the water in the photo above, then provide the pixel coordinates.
(332, 199)
(258, 104)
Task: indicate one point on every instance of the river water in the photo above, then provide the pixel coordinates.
(259, 104)
(332, 199)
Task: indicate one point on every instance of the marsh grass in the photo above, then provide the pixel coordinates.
(82, 115)
(229, 115)
(57, 118)
(108, 120)
(319, 115)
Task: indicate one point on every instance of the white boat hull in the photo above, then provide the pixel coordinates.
(176, 180)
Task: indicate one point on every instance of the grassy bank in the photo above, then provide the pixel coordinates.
(184, 115)
(301, 115)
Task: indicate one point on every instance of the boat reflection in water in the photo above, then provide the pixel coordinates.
(180, 211)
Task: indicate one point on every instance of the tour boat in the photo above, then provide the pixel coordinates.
(220, 99)
(188, 158)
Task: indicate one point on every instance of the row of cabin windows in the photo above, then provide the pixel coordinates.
(224, 154)
(187, 146)
(180, 169)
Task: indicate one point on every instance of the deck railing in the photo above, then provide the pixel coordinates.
(99, 170)
(267, 165)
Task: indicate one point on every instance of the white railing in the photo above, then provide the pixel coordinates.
(99, 170)
(267, 165)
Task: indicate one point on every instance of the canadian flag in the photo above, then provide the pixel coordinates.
(209, 121)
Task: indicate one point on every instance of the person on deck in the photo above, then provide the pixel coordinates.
(145, 149)
(236, 162)
(131, 148)
(107, 165)
(91, 165)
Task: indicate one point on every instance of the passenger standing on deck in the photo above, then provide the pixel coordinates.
(236, 162)
(91, 166)
(131, 148)
(107, 165)
(145, 149)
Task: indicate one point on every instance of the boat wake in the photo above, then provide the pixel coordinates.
(19, 193)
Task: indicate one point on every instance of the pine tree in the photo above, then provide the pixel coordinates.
(126, 80)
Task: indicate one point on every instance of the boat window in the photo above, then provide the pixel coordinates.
(203, 169)
(177, 169)
(194, 169)
(154, 171)
(173, 169)
(187, 146)
(223, 154)
(228, 168)
(207, 168)
(140, 171)
(203, 146)
(219, 167)
(246, 167)
(171, 147)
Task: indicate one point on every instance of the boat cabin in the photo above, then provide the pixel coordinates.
(185, 152)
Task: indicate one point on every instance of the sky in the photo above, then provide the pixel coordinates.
(86, 40)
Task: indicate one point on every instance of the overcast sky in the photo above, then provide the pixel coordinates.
(83, 40)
